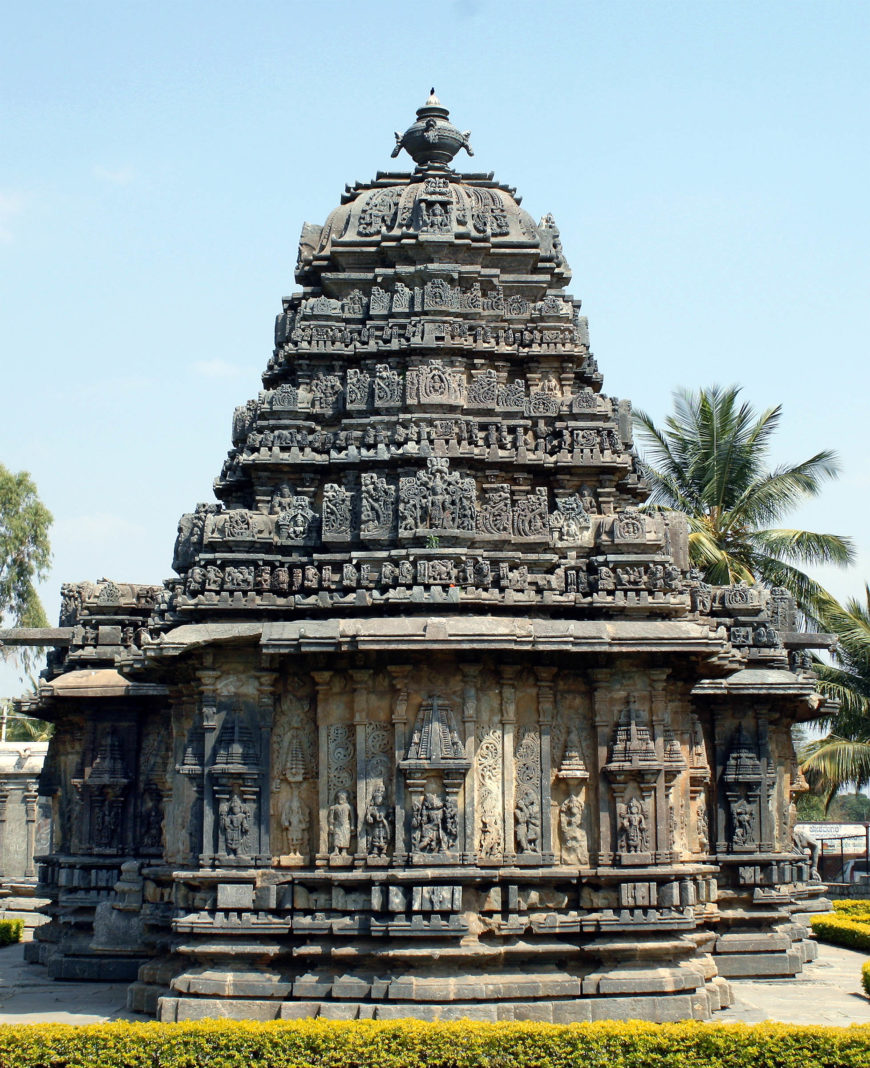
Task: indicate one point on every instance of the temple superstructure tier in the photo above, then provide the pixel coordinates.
(435, 719)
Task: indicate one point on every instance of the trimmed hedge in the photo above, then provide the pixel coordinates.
(11, 931)
(855, 910)
(409, 1044)
(865, 977)
(842, 931)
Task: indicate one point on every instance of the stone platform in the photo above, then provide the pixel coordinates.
(828, 993)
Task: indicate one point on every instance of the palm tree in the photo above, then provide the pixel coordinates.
(710, 462)
(843, 756)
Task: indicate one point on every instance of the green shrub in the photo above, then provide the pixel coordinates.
(10, 931)
(409, 1044)
(865, 978)
(842, 931)
(855, 910)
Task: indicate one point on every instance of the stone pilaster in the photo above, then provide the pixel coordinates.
(546, 712)
(508, 732)
(208, 709)
(322, 683)
(400, 675)
(470, 681)
(659, 719)
(265, 715)
(601, 711)
(362, 684)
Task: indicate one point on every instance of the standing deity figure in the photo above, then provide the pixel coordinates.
(339, 821)
(741, 813)
(574, 850)
(235, 824)
(378, 822)
(632, 828)
(431, 824)
(528, 823)
(294, 820)
(434, 824)
(702, 825)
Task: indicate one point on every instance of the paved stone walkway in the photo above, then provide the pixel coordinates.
(828, 992)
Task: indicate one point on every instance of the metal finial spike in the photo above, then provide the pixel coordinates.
(433, 99)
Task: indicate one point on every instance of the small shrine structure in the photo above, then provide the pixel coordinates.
(434, 719)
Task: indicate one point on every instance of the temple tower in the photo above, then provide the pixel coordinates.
(435, 720)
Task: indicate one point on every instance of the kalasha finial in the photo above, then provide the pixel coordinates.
(432, 141)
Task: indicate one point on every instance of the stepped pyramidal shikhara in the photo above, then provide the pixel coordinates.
(435, 720)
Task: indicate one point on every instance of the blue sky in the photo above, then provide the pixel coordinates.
(707, 164)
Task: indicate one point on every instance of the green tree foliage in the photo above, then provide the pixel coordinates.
(710, 461)
(843, 756)
(15, 727)
(811, 808)
(25, 554)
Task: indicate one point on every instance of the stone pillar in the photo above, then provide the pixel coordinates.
(601, 704)
(399, 675)
(30, 797)
(362, 684)
(546, 712)
(208, 705)
(322, 682)
(658, 720)
(508, 724)
(470, 676)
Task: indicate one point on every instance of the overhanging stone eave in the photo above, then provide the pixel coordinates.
(490, 632)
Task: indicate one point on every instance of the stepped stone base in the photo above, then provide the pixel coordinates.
(659, 1009)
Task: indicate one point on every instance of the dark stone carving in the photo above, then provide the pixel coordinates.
(437, 500)
(378, 507)
(337, 512)
(428, 676)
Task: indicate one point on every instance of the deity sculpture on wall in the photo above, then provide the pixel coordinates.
(742, 818)
(434, 824)
(527, 816)
(573, 837)
(378, 822)
(294, 821)
(339, 820)
(633, 832)
(235, 821)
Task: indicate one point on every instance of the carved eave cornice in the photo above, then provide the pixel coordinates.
(677, 638)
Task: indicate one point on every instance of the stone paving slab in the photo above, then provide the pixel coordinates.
(828, 992)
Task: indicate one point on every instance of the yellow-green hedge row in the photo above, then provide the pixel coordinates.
(865, 977)
(855, 910)
(842, 930)
(410, 1044)
(10, 931)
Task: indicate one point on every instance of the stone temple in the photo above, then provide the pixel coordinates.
(435, 720)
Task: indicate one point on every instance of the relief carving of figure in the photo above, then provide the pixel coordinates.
(702, 824)
(633, 833)
(574, 850)
(378, 822)
(339, 821)
(527, 816)
(235, 823)
(741, 814)
(434, 824)
(294, 820)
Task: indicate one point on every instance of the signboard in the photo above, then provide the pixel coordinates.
(852, 836)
